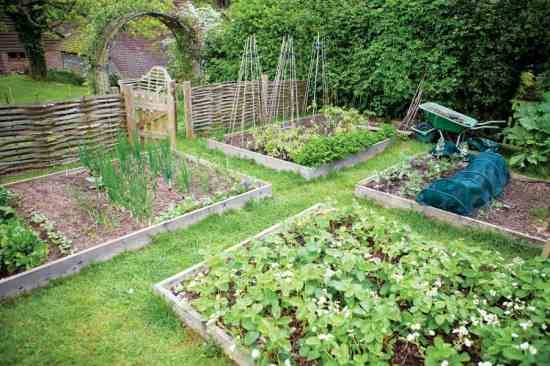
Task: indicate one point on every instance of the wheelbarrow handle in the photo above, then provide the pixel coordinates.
(482, 127)
(493, 122)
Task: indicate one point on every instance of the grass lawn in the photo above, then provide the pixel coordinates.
(109, 314)
(21, 89)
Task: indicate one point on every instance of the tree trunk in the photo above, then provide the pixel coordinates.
(30, 35)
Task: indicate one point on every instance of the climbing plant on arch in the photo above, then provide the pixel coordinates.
(106, 25)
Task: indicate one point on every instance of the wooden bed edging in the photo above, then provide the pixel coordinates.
(393, 201)
(308, 173)
(67, 266)
(194, 320)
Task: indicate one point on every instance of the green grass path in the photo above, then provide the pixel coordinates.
(109, 315)
(21, 89)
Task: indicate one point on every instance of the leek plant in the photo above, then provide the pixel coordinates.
(129, 174)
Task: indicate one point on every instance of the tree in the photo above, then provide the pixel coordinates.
(33, 19)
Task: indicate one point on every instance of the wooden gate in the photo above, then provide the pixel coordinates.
(150, 104)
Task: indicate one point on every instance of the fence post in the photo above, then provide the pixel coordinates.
(172, 114)
(130, 111)
(264, 91)
(187, 96)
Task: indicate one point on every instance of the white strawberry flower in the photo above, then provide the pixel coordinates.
(412, 336)
(526, 325)
(524, 346)
(255, 354)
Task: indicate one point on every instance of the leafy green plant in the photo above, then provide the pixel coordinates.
(20, 247)
(325, 149)
(530, 133)
(64, 245)
(343, 133)
(4, 196)
(350, 287)
(413, 175)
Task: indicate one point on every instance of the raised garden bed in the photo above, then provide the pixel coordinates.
(521, 212)
(349, 287)
(81, 225)
(312, 147)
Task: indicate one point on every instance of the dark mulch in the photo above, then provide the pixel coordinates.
(516, 212)
(406, 354)
(71, 203)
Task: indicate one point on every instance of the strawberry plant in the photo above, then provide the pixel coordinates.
(349, 287)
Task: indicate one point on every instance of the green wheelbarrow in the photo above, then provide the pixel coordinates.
(446, 120)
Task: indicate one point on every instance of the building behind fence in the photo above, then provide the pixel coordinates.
(39, 136)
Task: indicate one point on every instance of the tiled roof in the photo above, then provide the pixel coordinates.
(134, 56)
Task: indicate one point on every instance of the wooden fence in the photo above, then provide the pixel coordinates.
(210, 107)
(38, 136)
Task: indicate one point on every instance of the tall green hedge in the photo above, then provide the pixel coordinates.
(471, 51)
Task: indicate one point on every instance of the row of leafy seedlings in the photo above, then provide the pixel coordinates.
(350, 287)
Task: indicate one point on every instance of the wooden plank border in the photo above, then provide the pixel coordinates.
(67, 266)
(198, 323)
(393, 201)
(307, 173)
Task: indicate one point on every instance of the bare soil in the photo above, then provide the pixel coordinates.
(88, 218)
(513, 209)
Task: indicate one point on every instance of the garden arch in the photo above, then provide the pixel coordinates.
(185, 35)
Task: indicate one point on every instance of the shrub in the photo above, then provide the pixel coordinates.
(20, 247)
(65, 77)
(530, 133)
(471, 52)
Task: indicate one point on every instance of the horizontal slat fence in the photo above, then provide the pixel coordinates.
(211, 106)
(39, 136)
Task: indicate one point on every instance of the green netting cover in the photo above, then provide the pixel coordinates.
(471, 188)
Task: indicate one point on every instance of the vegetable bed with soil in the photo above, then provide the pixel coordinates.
(142, 186)
(310, 143)
(524, 206)
(349, 287)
